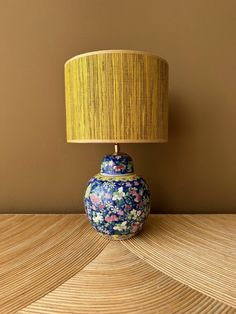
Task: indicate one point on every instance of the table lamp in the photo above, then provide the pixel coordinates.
(117, 96)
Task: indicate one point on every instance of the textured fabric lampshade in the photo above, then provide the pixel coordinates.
(116, 96)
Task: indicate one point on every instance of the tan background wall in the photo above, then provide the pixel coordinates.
(194, 172)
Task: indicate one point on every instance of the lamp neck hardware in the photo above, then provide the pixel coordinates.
(117, 149)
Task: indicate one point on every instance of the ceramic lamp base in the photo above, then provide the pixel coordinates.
(117, 201)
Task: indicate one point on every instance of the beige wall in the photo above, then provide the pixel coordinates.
(194, 172)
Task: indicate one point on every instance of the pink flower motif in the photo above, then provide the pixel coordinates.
(136, 183)
(137, 198)
(111, 218)
(108, 195)
(128, 184)
(128, 206)
(101, 206)
(140, 204)
(135, 227)
(133, 191)
(95, 199)
(120, 212)
(118, 168)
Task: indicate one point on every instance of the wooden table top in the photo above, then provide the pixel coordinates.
(59, 264)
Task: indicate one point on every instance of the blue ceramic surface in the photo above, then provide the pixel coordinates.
(117, 164)
(117, 201)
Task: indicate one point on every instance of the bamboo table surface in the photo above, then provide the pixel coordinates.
(59, 264)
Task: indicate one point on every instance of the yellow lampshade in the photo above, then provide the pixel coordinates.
(116, 96)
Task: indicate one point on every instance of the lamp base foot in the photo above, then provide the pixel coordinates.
(117, 237)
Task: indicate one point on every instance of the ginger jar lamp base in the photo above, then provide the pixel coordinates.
(117, 201)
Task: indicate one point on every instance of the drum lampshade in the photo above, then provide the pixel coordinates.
(116, 96)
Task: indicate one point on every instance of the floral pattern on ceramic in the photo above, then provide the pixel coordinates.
(117, 206)
(117, 164)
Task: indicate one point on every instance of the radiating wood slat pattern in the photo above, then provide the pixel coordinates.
(40, 252)
(59, 264)
(117, 281)
(116, 96)
(197, 250)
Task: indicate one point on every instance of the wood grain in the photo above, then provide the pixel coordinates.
(116, 96)
(197, 250)
(117, 281)
(59, 264)
(40, 252)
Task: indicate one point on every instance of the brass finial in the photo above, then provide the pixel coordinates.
(117, 148)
